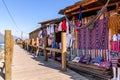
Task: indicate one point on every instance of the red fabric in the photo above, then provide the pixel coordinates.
(114, 45)
(64, 25)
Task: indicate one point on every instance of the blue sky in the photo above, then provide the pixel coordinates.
(27, 14)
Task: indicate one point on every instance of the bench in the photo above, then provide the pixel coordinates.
(93, 70)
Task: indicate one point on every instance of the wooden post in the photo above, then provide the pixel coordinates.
(27, 44)
(37, 44)
(8, 53)
(32, 42)
(32, 48)
(12, 47)
(45, 52)
(63, 37)
(53, 55)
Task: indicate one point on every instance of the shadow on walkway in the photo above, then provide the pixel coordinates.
(2, 74)
(57, 65)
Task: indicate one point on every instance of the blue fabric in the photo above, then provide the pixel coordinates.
(41, 53)
(97, 60)
(80, 16)
(54, 45)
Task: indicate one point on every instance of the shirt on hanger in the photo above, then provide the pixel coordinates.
(118, 36)
(68, 40)
(67, 25)
(114, 38)
(48, 31)
(60, 26)
(52, 28)
(40, 34)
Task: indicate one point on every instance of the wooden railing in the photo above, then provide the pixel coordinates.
(45, 48)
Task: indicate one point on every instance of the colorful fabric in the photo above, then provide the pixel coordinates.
(96, 38)
(114, 45)
(97, 60)
(54, 45)
(64, 25)
(105, 64)
(114, 61)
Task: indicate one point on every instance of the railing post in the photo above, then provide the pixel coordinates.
(8, 52)
(32, 45)
(12, 46)
(45, 52)
(63, 37)
(37, 44)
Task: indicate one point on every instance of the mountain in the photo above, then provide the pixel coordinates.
(1, 37)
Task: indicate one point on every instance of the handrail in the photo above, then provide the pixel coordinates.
(54, 50)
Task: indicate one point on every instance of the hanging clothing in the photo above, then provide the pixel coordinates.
(68, 40)
(50, 40)
(114, 60)
(52, 28)
(40, 35)
(114, 38)
(67, 25)
(118, 36)
(60, 45)
(114, 45)
(56, 28)
(54, 45)
(60, 26)
(48, 30)
(64, 25)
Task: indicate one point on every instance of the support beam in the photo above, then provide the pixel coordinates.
(53, 50)
(63, 51)
(91, 9)
(88, 2)
(77, 6)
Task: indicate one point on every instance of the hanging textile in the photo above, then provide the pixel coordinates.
(97, 38)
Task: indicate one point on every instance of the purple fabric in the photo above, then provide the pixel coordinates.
(96, 38)
(81, 58)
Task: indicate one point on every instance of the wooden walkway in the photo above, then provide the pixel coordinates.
(26, 67)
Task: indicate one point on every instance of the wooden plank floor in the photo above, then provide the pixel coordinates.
(26, 67)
